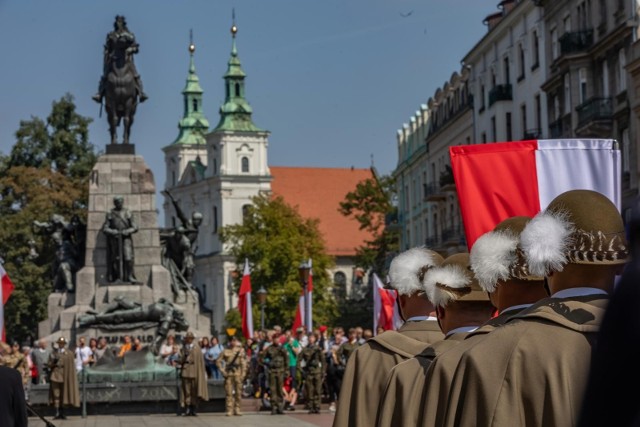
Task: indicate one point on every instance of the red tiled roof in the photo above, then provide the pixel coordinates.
(317, 193)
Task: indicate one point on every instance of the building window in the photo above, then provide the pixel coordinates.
(582, 77)
(195, 105)
(626, 165)
(567, 24)
(238, 89)
(507, 70)
(622, 75)
(556, 108)
(482, 98)
(215, 166)
(554, 44)
(494, 137)
(605, 79)
(538, 112)
(483, 137)
(246, 211)
(508, 126)
(215, 219)
(493, 79)
(567, 93)
(535, 46)
(523, 118)
(245, 164)
(340, 285)
(521, 64)
(406, 198)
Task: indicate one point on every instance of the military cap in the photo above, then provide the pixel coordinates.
(189, 335)
(408, 269)
(61, 341)
(578, 227)
(497, 255)
(453, 281)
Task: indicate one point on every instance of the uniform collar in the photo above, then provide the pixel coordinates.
(461, 329)
(420, 318)
(578, 292)
(515, 307)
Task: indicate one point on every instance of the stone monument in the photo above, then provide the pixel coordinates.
(122, 221)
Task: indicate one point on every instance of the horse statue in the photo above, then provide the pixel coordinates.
(120, 84)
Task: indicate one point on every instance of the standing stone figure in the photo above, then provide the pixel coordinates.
(119, 228)
(193, 376)
(69, 248)
(189, 230)
(232, 363)
(63, 390)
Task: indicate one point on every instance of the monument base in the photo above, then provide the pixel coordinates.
(121, 149)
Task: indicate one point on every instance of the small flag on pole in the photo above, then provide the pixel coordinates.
(5, 292)
(244, 302)
(501, 180)
(384, 307)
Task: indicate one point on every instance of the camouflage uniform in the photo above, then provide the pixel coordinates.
(278, 362)
(233, 370)
(314, 368)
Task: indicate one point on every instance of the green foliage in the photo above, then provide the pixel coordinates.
(276, 239)
(46, 172)
(370, 204)
(232, 319)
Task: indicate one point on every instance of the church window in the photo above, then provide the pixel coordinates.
(340, 285)
(215, 219)
(237, 89)
(226, 87)
(246, 211)
(245, 164)
(195, 105)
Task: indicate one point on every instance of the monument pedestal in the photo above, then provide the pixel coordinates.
(125, 175)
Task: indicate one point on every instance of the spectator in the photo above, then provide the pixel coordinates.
(83, 355)
(93, 346)
(101, 349)
(40, 356)
(167, 348)
(289, 392)
(125, 347)
(137, 345)
(359, 335)
(301, 337)
(174, 356)
(293, 349)
(210, 357)
(379, 330)
(368, 333)
(204, 344)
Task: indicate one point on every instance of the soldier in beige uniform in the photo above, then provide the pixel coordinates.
(367, 369)
(232, 363)
(63, 389)
(193, 375)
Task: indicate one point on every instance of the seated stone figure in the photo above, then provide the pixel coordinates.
(125, 314)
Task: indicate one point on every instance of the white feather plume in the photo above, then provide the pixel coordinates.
(404, 269)
(452, 276)
(491, 257)
(545, 241)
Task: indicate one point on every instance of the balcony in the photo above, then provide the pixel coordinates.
(433, 193)
(595, 118)
(500, 93)
(576, 42)
(555, 129)
(393, 221)
(530, 134)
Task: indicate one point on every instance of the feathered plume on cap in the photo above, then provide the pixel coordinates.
(447, 283)
(545, 241)
(497, 255)
(408, 269)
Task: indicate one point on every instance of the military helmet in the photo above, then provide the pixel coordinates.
(61, 341)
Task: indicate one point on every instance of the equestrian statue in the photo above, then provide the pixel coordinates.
(120, 84)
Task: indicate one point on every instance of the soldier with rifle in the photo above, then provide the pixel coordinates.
(232, 363)
(63, 390)
(193, 376)
(310, 361)
(276, 358)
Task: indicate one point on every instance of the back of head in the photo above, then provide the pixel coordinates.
(581, 227)
(408, 269)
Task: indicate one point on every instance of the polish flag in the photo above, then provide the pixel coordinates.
(500, 180)
(385, 312)
(5, 292)
(301, 311)
(244, 302)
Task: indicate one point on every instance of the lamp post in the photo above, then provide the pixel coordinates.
(262, 298)
(303, 271)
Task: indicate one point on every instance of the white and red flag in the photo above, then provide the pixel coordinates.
(244, 302)
(385, 310)
(5, 292)
(500, 180)
(302, 318)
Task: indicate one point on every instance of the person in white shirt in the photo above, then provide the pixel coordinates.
(83, 355)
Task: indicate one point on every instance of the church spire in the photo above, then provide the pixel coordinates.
(235, 113)
(193, 125)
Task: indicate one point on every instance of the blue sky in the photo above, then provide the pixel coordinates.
(332, 80)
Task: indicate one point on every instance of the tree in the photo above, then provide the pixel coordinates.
(276, 239)
(46, 172)
(371, 205)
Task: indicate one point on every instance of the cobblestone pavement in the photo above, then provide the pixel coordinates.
(251, 419)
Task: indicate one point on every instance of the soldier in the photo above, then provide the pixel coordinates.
(501, 270)
(535, 368)
(119, 228)
(276, 358)
(311, 362)
(234, 369)
(63, 390)
(368, 367)
(193, 375)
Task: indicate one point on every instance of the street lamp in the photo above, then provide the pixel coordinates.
(303, 270)
(262, 298)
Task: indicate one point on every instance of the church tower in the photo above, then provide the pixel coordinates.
(186, 157)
